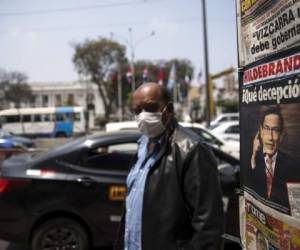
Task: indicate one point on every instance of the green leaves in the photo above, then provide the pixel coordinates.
(14, 87)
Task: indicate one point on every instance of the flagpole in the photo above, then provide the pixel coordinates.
(120, 111)
(132, 60)
(206, 65)
(172, 83)
(175, 93)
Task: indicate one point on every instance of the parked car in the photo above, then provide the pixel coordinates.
(225, 117)
(231, 147)
(228, 131)
(16, 140)
(72, 197)
(6, 143)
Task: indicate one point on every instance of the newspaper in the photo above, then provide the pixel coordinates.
(266, 27)
(266, 228)
(294, 199)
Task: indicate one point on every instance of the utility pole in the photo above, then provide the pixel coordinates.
(206, 63)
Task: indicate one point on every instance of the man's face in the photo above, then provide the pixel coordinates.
(148, 99)
(270, 133)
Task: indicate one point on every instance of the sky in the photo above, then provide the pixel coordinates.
(36, 36)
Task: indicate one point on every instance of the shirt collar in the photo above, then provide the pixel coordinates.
(273, 158)
(144, 139)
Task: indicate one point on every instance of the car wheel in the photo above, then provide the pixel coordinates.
(60, 234)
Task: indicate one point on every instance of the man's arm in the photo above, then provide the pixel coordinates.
(203, 196)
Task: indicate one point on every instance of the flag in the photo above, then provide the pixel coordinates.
(129, 75)
(199, 76)
(114, 79)
(172, 77)
(160, 77)
(187, 79)
(145, 74)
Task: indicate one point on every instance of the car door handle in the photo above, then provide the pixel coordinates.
(85, 181)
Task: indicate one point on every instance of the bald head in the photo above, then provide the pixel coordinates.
(148, 91)
(151, 91)
(150, 97)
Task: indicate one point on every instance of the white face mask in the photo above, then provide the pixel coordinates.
(150, 124)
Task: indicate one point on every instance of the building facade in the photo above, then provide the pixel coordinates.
(79, 93)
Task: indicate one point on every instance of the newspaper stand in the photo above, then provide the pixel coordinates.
(269, 91)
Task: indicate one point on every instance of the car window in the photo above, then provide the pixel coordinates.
(233, 130)
(124, 147)
(206, 136)
(60, 117)
(111, 157)
(76, 117)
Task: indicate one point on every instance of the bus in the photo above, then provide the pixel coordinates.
(50, 122)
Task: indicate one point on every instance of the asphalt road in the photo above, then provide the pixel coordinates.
(4, 245)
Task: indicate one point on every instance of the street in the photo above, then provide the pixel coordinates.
(4, 245)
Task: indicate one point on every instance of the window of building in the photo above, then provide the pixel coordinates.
(37, 118)
(45, 101)
(26, 118)
(58, 100)
(71, 100)
(33, 101)
(12, 119)
(47, 117)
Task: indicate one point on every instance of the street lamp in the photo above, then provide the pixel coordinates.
(132, 45)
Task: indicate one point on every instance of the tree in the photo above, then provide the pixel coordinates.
(96, 60)
(184, 68)
(228, 106)
(14, 88)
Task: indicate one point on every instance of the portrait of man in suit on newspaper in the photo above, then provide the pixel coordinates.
(271, 168)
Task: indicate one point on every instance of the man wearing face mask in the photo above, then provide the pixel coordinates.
(173, 194)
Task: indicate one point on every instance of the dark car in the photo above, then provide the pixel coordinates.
(16, 140)
(72, 197)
